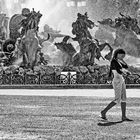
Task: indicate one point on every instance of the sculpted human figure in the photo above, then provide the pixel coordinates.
(20, 23)
(80, 28)
(15, 24)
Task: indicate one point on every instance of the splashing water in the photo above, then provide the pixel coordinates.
(50, 10)
(53, 10)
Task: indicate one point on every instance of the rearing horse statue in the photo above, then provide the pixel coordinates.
(29, 44)
(126, 31)
(88, 48)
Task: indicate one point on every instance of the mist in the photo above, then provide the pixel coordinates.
(59, 16)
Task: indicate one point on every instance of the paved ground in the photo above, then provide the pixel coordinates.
(66, 115)
(69, 92)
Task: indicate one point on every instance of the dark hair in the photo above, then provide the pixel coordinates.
(118, 51)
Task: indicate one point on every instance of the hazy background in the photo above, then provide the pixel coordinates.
(59, 14)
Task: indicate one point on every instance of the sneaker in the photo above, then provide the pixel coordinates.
(103, 115)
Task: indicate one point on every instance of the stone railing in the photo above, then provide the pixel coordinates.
(63, 76)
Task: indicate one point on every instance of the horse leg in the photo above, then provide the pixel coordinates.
(93, 54)
(76, 60)
(25, 60)
(64, 59)
(67, 62)
(71, 59)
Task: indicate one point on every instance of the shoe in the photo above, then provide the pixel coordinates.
(103, 115)
(126, 119)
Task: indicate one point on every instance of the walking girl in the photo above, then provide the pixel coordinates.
(119, 68)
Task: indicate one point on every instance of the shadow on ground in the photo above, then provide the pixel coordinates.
(108, 123)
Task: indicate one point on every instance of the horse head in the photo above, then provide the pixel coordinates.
(135, 27)
(59, 46)
(38, 16)
(33, 20)
(89, 24)
(65, 47)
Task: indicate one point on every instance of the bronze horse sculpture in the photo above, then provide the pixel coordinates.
(28, 46)
(72, 57)
(89, 48)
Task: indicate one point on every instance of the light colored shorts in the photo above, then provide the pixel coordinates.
(119, 89)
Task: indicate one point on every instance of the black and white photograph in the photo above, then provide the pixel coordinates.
(69, 70)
